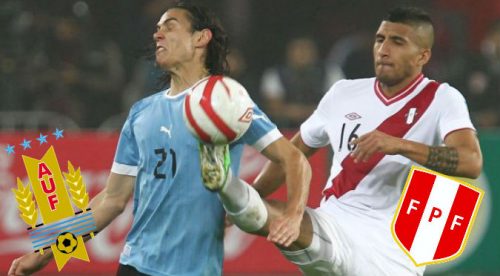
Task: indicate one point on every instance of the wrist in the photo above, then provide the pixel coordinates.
(46, 257)
(401, 147)
(294, 210)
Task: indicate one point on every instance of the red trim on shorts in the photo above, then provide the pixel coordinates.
(206, 105)
(400, 94)
(352, 173)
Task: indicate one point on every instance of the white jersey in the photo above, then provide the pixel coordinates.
(352, 108)
(361, 198)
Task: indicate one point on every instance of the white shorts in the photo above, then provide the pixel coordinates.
(353, 250)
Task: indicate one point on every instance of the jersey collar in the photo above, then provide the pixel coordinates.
(400, 94)
(167, 92)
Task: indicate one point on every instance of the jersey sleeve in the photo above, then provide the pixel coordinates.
(127, 153)
(262, 132)
(313, 130)
(454, 114)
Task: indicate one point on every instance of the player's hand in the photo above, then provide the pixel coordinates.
(373, 142)
(28, 264)
(285, 229)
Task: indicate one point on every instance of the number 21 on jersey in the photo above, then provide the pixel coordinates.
(162, 153)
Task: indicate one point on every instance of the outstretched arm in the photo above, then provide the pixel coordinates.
(273, 175)
(106, 206)
(460, 156)
(114, 199)
(289, 163)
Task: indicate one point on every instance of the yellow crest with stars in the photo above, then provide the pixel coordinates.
(61, 229)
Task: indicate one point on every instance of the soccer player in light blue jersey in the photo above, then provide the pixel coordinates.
(178, 225)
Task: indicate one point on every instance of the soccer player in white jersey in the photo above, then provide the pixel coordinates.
(378, 128)
(178, 224)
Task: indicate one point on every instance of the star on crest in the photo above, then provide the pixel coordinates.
(42, 139)
(58, 133)
(26, 144)
(9, 149)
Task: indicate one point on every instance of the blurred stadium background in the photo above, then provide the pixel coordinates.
(80, 65)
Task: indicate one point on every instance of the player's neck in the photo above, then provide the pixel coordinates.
(391, 90)
(183, 79)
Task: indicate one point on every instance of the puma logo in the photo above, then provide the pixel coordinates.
(166, 130)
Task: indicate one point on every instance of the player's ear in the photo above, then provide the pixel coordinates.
(202, 38)
(424, 57)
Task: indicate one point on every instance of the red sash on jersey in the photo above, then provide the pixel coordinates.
(352, 173)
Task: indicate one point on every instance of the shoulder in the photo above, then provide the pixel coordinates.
(447, 93)
(141, 105)
(144, 103)
(349, 86)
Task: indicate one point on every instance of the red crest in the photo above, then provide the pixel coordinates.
(434, 216)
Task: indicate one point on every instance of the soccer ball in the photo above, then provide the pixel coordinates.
(218, 110)
(66, 242)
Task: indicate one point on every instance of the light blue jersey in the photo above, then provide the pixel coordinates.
(178, 224)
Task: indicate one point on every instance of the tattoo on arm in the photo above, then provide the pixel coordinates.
(443, 159)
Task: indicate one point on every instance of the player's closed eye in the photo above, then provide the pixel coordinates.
(169, 26)
(398, 41)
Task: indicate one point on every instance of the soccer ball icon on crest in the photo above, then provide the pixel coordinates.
(66, 242)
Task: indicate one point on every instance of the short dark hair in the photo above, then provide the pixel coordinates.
(414, 17)
(408, 15)
(218, 47)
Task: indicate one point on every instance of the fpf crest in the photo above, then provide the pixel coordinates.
(435, 216)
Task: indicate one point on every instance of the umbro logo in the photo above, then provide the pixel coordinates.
(166, 130)
(247, 116)
(353, 116)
